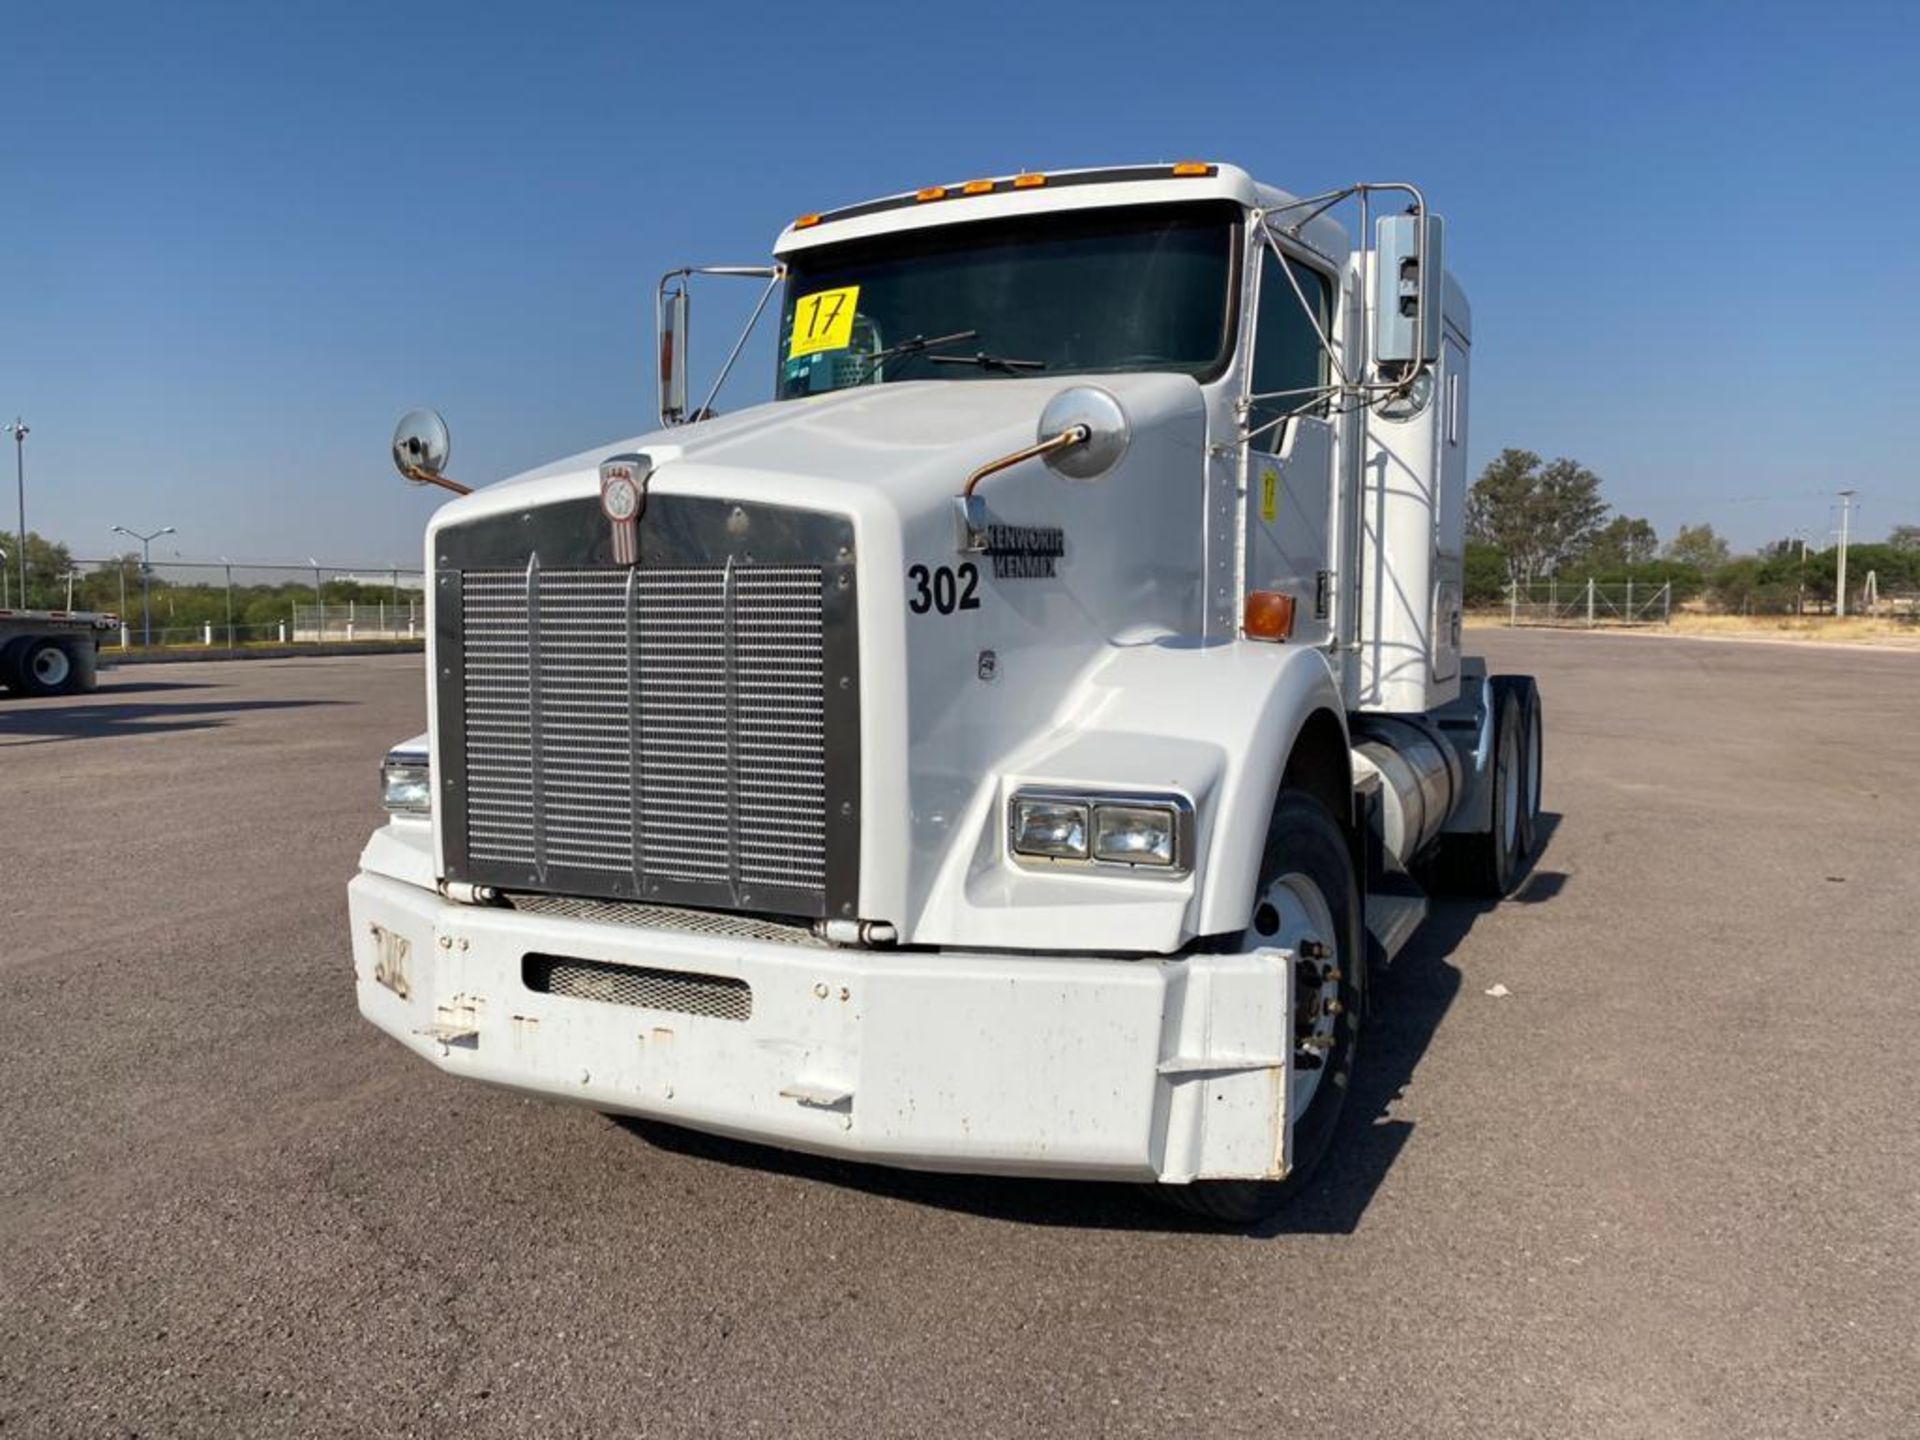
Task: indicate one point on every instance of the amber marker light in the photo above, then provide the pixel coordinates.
(806, 222)
(1269, 615)
(1191, 167)
(932, 192)
(1028, 182)
(977, 187)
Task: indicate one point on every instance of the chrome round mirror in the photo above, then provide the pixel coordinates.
(1107, 431)
(421, 446)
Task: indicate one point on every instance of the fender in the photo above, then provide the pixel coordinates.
(1135, 722)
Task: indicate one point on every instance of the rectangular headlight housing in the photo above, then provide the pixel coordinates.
(1049, 827)
(1145, 834)
(406, 784)
(1135, 834)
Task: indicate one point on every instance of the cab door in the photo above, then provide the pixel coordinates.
(1290, 459)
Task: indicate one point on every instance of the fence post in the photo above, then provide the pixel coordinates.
(206, 634)
(123, 635)
(1589, 602)
(1666, 603)
(1513, 603)
(1630, 615)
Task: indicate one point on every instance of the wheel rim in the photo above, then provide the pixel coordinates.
(1294, 915)
(51, 666)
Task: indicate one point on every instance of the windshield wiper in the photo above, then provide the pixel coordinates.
(988, 362)
(913, 345)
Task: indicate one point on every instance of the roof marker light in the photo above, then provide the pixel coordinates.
(932, 192)
(1191, 167)
(977, 187)
(806, 222)
(1028, 182)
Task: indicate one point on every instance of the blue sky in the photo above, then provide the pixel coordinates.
(236, 242)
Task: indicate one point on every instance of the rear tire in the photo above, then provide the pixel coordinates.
(1533, 764)
(1307, 885)
(1488, 863)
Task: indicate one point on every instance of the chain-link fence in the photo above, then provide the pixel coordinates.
(1588, 602)
(230, 605)
(1595, 603)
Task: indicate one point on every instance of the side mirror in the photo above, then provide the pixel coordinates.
(673, 353)
(1409, 288)
(421, 448)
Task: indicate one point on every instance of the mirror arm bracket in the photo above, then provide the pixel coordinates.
(424, 477)
(970, 511)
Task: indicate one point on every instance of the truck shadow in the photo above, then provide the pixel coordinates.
(95, 719)
(1408, 1005)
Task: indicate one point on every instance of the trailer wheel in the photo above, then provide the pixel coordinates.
(46, 668)
(10, 656)
(1308, 902)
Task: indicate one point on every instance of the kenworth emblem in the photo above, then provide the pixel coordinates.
(623, 495)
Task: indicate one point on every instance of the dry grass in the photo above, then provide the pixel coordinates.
(1854, 630)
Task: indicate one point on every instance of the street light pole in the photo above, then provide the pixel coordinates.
(146, 573)
(19, 431)
(1840, 590)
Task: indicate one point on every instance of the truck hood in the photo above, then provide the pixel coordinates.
(917, 441)
(968, 661)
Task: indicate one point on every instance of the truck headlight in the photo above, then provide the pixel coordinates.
(1048, 828)
(1134, 834)
(406, 784)
(1137, 832)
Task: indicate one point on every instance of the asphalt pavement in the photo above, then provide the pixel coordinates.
(1666, 1184)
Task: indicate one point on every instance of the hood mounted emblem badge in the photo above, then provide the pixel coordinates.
(623, 497)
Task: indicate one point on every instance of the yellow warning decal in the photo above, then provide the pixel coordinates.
(823, 321)
(1269, 493)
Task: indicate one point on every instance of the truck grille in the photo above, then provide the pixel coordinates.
(656, 733)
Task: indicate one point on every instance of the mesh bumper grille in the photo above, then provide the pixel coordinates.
(719, 997)
(668, 917)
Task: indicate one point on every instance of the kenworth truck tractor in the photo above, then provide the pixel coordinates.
(1016, 747)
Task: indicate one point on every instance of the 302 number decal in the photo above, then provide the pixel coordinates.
(943, 589)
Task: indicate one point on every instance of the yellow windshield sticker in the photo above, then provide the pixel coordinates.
(823, 321)
(1269, 493)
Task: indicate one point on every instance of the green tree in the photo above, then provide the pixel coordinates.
(1904, 537)
(1486, 574)
(1539, 514)
(1622, 543)
(1698, 546)
(48, 562)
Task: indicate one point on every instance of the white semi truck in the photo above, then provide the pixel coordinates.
(1018, 745)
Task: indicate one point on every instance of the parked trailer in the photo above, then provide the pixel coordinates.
(51, 652)
(1013, 748)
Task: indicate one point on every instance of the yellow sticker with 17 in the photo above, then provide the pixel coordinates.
(823, 321)
(1269, 493)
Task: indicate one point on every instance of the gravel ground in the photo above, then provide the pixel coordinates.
(1665, 1186)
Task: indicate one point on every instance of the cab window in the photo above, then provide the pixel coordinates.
(1287, 354)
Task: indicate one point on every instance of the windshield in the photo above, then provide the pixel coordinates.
(1077, 292)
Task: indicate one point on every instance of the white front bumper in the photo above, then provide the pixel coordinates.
(1007, 1064)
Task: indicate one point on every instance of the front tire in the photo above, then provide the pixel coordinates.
(1308, 901)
